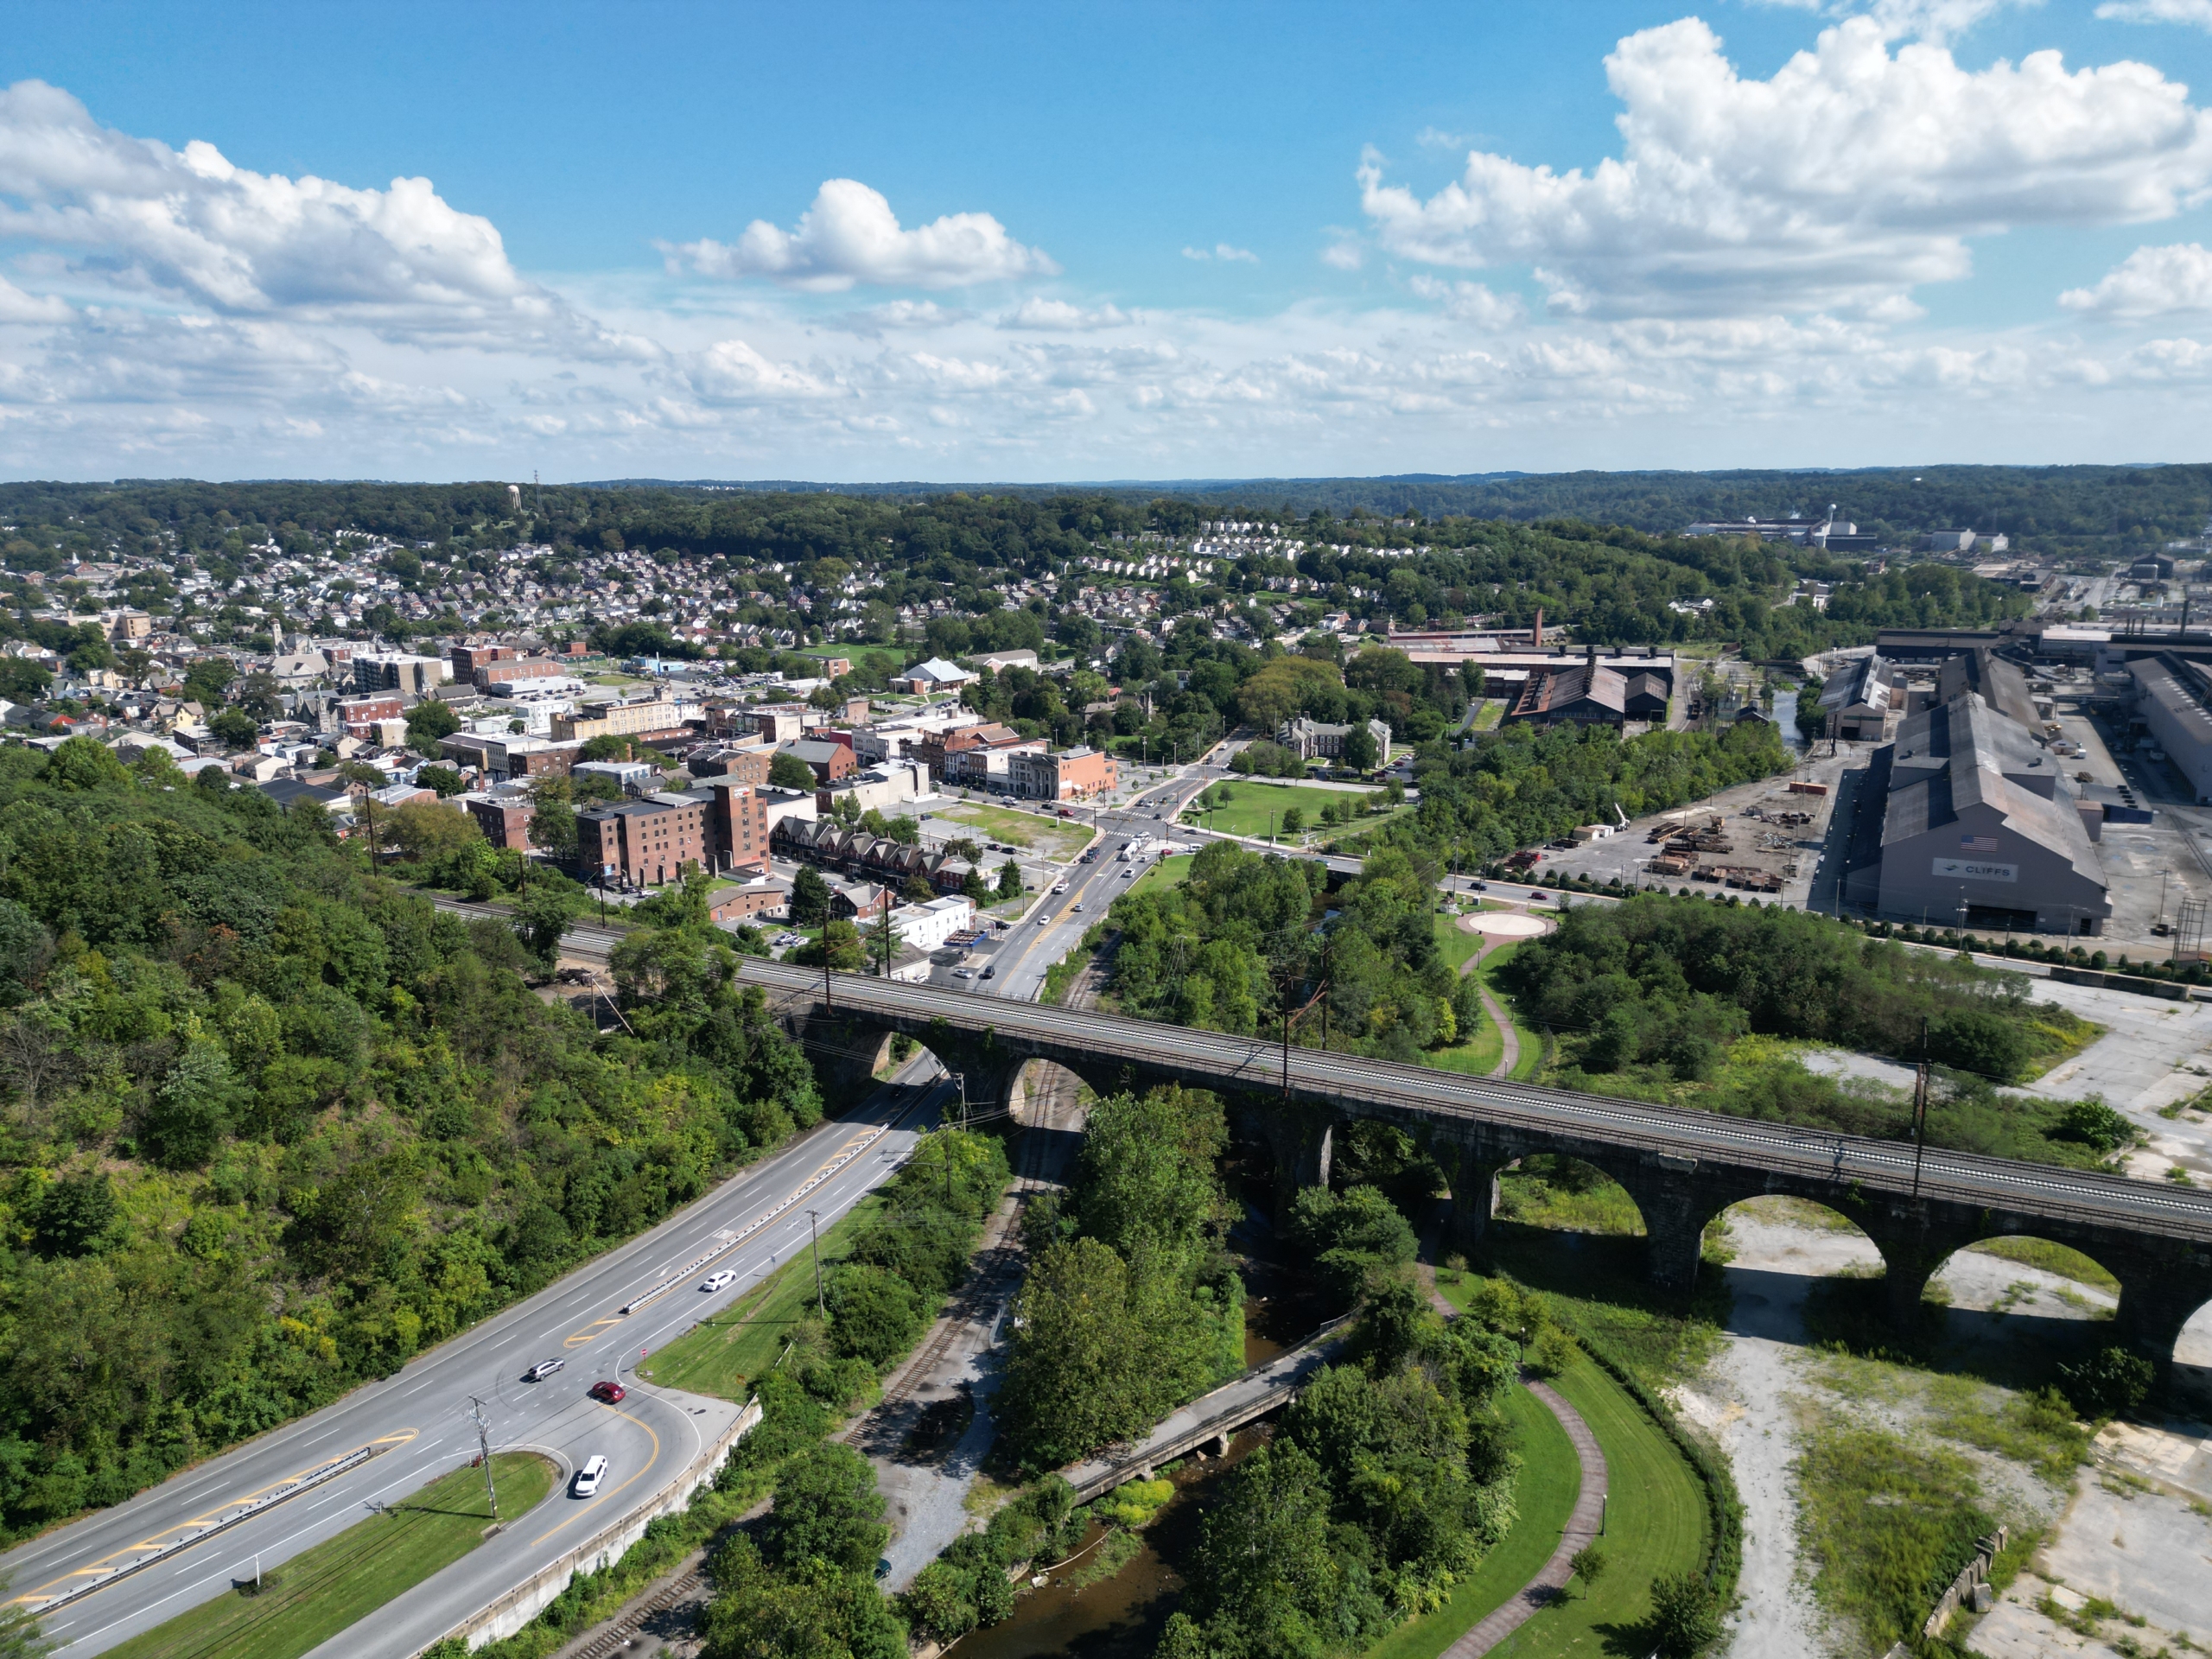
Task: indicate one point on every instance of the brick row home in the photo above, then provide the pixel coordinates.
(826, 843)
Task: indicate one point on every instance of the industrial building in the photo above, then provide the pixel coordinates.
(2173, 700)
(1966, 820)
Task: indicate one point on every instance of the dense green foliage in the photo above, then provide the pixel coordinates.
(273, 1124)
(1131, 1306)
(1219, 950)
(1388, 1480)
(1653, 998)
(1519, 786)
(915, 1248)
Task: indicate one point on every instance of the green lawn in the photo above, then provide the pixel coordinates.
(1251, 803)
(329, 1588)
(1483, 1046)
(1166, 873)
(1656, 1523)
(1057, 839)
(1550, 1478)
(718, 1356)
(1492, 714)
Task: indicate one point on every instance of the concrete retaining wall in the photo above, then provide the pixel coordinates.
(515, 1609)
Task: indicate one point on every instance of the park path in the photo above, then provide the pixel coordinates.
(1582, 1523)
(1581, 1529)
(1509, 1052)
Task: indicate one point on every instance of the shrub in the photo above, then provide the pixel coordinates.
(2109, 1383)
(1685, 1618)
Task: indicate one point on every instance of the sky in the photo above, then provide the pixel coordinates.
(1021, 242)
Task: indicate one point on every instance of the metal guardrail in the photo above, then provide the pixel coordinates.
(1881, 1165)
(259, 1505)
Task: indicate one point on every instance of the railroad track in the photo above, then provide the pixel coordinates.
(1001, 1262)
(617, 1636)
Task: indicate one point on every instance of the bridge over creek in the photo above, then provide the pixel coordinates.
(1682, 1168)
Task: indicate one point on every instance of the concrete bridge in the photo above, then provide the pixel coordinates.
(1682, 1168)
(1209, 1421)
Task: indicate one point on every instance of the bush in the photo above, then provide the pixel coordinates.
(874, 1315)
(2110, 1384)
(1684, 1614)
(1552, 1351)
(2094, 1124)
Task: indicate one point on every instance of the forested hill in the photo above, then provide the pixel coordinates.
(271, 1125)
(2055, 511)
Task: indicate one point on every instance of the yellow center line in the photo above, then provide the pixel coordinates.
(204, 1518)
(590, 1332)
(619, 1491)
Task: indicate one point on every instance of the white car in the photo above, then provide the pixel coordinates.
(585, 1485)
(1059, 887)
(721, 1280)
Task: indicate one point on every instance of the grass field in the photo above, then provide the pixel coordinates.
(2050, 1257)
(1167, 873)
(327, 1589)
(1550, 1477)
(717, 1356)
(1485, 1045)
(1656, 1523)
(1057, 839)
(1251, 803)
(1491, 714)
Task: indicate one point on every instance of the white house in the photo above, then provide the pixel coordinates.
(926, 926)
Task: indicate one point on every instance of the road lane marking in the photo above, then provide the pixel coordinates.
(590, 1332)
(619, 1491)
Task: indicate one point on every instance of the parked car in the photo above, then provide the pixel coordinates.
(720, 1279)
(585, 1485)
(611, 1394)
(544, 1369)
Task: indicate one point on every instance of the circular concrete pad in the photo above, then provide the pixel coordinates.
(1504, 924)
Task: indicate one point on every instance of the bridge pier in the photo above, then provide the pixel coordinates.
(1474, 1198)
(1302, 1139)
(2159, 1292)
(1677, 1204)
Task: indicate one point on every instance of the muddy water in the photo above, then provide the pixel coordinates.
(1120, 1617)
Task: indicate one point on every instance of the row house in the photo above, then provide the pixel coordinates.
(826, 843)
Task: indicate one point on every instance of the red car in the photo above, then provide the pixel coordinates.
(608, 1393)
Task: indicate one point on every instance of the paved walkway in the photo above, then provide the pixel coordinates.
(1509, 1054)
(1581, 1529)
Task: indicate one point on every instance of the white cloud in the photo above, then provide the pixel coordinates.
(732, 372)
(1937, 21)
(1222, 251)
(1850, 176)
(2151, 282)
(16, 306)
(1057, 316)
(1472, 302)
(850, 235)
(897, 316)
(2195, 13)
(1345, 253)
(189, 223)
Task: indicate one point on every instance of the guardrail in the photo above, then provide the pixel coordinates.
(850, 1151)
(511, 1610)
(258, 1505)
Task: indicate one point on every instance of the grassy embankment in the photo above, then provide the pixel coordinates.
(1163, 873)
(322, 1590)
(719, 1354)
(1550, 1479)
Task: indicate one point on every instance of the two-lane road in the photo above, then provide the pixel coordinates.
(418, 1419)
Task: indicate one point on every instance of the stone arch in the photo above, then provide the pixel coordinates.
(1563, 1191)
(1776, 1247)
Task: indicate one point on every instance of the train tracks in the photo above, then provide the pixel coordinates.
(615, 1637)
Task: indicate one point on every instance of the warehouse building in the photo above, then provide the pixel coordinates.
(1966, 820)
(2173, 700)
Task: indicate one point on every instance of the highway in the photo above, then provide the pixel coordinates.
(1100, 1041)
(418, 1419)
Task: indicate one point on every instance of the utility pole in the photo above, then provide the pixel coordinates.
(1920, 1109)
(825, 967)
(815, 1233)
(484, 1453)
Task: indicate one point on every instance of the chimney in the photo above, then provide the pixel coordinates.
(1539, 627)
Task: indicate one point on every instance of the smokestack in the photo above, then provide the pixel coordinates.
(1539, 627)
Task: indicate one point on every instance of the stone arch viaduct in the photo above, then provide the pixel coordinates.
(1682, 1168)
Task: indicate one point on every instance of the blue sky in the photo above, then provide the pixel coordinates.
(1839, 232)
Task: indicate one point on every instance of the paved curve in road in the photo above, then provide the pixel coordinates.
(1257, 1065)
(419, 1416)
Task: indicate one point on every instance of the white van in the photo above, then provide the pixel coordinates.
(586, 1483)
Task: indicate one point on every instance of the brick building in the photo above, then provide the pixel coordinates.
(645, 842)
(467, 660)
(831, 762)
(360, 715)
(505, 819)
(1070, 775)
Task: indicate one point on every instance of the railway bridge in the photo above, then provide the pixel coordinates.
(1682, 1168)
